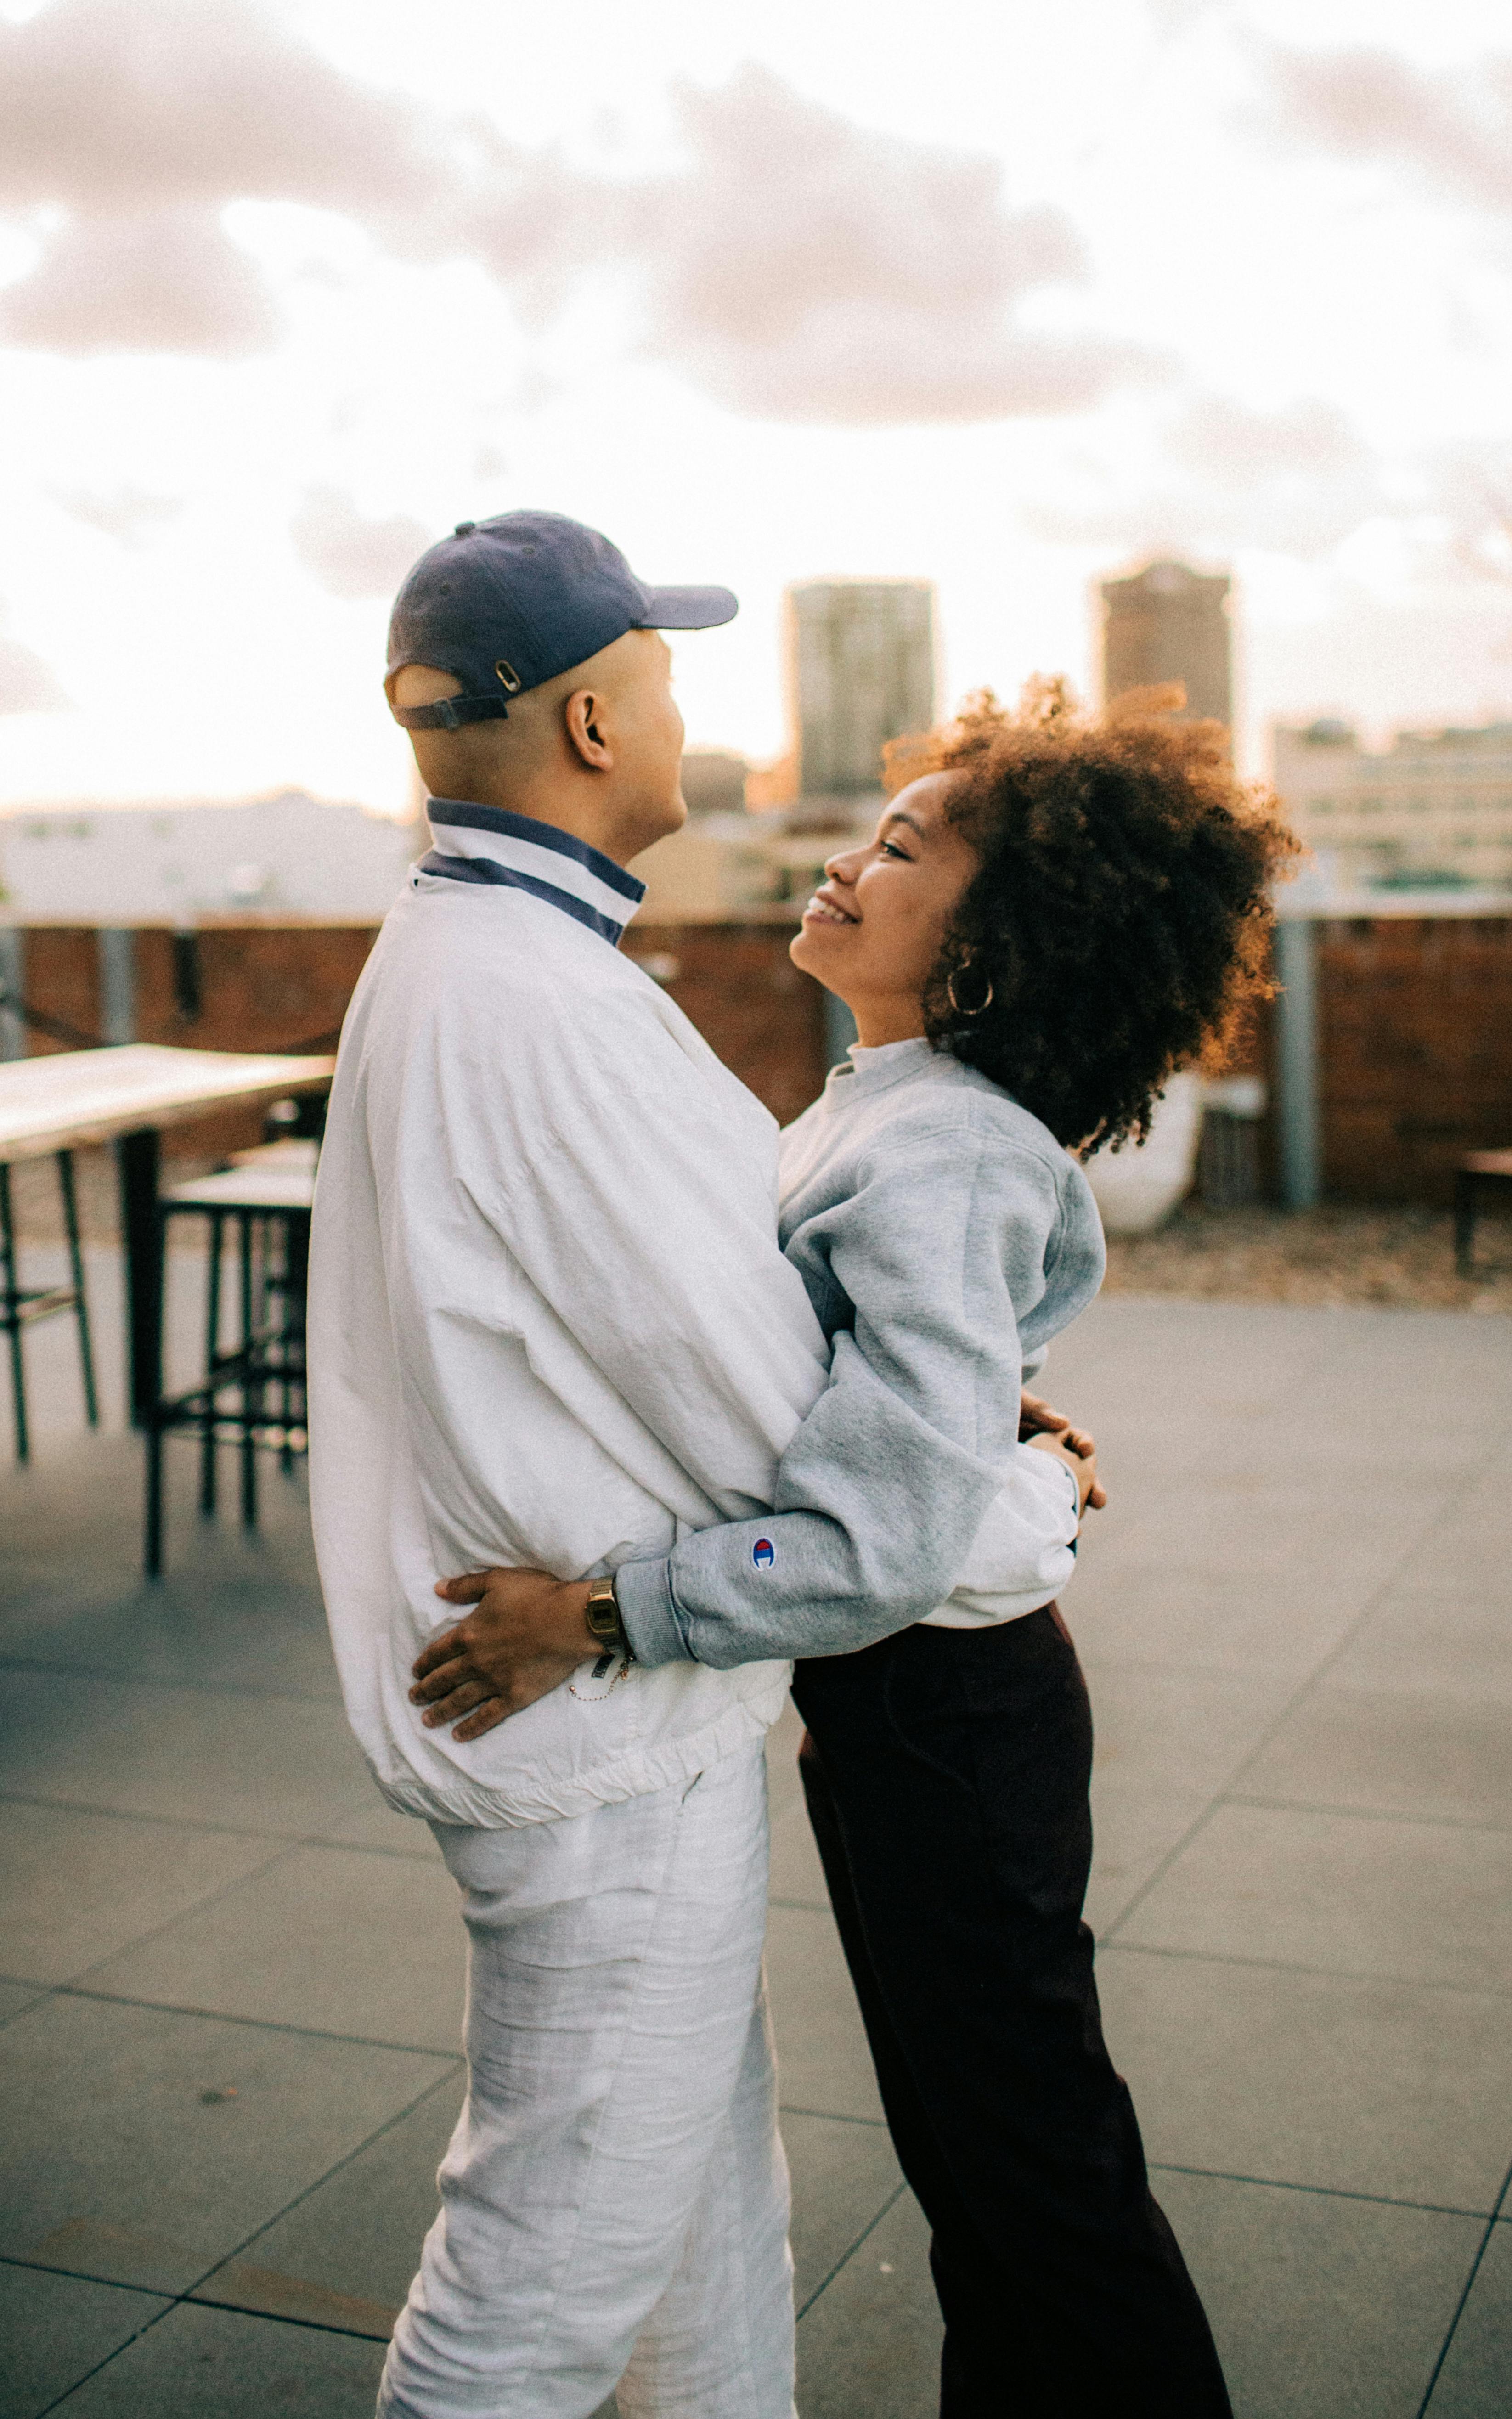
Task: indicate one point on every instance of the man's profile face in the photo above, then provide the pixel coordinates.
(650, 732)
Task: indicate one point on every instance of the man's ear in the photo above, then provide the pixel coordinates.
(584, 716)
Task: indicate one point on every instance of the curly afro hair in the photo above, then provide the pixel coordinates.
(1118, 926)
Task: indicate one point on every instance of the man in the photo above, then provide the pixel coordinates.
(550, 1325)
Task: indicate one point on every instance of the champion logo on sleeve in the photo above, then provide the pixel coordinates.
(764, 1553)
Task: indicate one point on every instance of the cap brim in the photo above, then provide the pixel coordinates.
(686, 608)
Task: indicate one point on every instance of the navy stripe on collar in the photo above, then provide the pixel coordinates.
(464, 816)
(488, 870)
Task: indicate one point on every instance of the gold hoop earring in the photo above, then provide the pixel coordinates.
(950, 993)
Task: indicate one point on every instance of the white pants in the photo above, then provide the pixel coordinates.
(614, 2201)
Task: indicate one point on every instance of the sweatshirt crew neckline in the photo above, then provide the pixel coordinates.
(885, 1062)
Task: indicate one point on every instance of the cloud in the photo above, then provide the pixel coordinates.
(169, 282)
(27, 685)
(795, 265)
(140, 120)
(349, 554)
(147, 104)
(803, 268)
(1453, 127)
(128, 514)
(1219, 475)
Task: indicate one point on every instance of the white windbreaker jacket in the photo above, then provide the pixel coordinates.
(549, 1322)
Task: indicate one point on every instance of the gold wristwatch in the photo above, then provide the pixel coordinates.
(602, 1614)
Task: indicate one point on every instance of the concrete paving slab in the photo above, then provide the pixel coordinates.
(56, 2329)
(1275, 1625)
(310, 1941)
(1207, 1603)
(1195, 1728)
(1445, 1758)
(870, 2346)
(844, 2177)
(140, 2147)
(75, 1887)
(1452, 1641)
(222, 1623)
(1346, 1893)
(379, 1827)
(17, 1996)
(823, 2062)
(1316, 2079)
(798, 1876)
(1475, 2381)
(74, 1534)
(277, 1765)
(1135, 1827)
(199, 2364)
(343, 2255)
(1321, 2307)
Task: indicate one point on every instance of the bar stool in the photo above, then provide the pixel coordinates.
(1479, 1171)
(252, 1394)
(22, 1306)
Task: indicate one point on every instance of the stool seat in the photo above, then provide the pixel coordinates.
(1489, 1163)
(291, 1152)
(272, 1185)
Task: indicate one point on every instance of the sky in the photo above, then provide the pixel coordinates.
(1004, 296)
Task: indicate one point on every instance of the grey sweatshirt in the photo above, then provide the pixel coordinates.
(944, 1237)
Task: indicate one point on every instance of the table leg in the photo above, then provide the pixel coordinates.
(136, 1156)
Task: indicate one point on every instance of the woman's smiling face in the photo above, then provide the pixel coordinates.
(873, 929)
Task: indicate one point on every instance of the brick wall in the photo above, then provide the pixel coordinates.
(261, 987)
(1416, 1040)
(274, 988)
(1415, 1025)
(738, 985)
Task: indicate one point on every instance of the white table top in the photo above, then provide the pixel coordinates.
(71, 1097)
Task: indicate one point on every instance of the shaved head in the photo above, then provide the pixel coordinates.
(602, 741)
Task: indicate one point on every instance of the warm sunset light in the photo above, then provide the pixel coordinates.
(1001, 301)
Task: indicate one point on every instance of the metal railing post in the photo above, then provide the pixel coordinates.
(1300, 1136)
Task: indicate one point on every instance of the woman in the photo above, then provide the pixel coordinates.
(1055, 914)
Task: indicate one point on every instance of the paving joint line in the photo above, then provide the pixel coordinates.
(168, 1822)
(255, 2023)
(117, 1679)
(198, 1907)
(1462, 2304)
(1321, 1973)
(1375, 1815)
(193, 2291)
(847, 2257)
(1321, 2192)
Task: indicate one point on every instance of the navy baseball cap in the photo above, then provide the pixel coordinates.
(506, 604)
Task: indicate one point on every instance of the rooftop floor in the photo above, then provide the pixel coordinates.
(225, 2091)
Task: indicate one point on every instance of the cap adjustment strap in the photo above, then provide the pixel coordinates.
(451, 712)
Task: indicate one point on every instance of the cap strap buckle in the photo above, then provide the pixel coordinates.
(451, 712)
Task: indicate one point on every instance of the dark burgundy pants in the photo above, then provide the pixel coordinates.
(947, 1777)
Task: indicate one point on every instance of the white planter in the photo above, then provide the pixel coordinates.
(1138, 1189)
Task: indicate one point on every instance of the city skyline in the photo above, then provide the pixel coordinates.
(1009, 312)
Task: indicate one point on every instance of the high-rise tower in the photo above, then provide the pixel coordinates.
(860, 670)
(1169, 623)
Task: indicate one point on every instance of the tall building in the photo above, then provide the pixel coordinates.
(1169, 623)
(1433, 810)
(860, 664)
